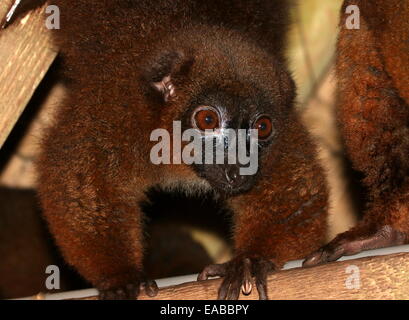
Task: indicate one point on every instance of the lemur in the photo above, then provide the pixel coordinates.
(133, 66)
(373, 114)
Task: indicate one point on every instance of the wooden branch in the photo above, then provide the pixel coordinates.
(26, 54)
(379, 277)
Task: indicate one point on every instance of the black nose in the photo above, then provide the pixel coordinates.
(233, 176)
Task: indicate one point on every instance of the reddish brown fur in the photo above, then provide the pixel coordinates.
(284, 215)
(373, 113)
(373, 70)
(95, 163)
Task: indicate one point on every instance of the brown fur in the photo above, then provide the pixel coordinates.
(26, 248)
(95, 167)
(373, 113)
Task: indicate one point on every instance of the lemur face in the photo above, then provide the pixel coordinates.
(220, 91)
(227, 122)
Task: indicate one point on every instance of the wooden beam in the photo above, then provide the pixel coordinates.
(26, 54)
(379, 277)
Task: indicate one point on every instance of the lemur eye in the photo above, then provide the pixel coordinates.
(264, 127)
(206, 118)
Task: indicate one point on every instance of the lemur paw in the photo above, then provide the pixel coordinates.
(130, 291)
(238, 274)
(355, 241)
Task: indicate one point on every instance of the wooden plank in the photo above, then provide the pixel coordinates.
(26, 54)
(378, 277)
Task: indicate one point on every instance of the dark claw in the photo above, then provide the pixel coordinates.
(238, 275)
(235, 288)
(353, 242)
(151, 288)
(314, 258)
(224, 288)
(213, 270)
(327, 253)
(261, 278)
(262, 289)
(130, 291)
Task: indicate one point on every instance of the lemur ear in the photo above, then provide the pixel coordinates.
(165, 87)
(165, 70)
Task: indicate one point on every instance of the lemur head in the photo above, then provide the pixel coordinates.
(218, 83)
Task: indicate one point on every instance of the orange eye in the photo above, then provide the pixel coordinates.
(264, 127)
(206, 118)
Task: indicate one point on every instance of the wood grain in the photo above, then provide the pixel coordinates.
(26, 54)
(381, 277)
